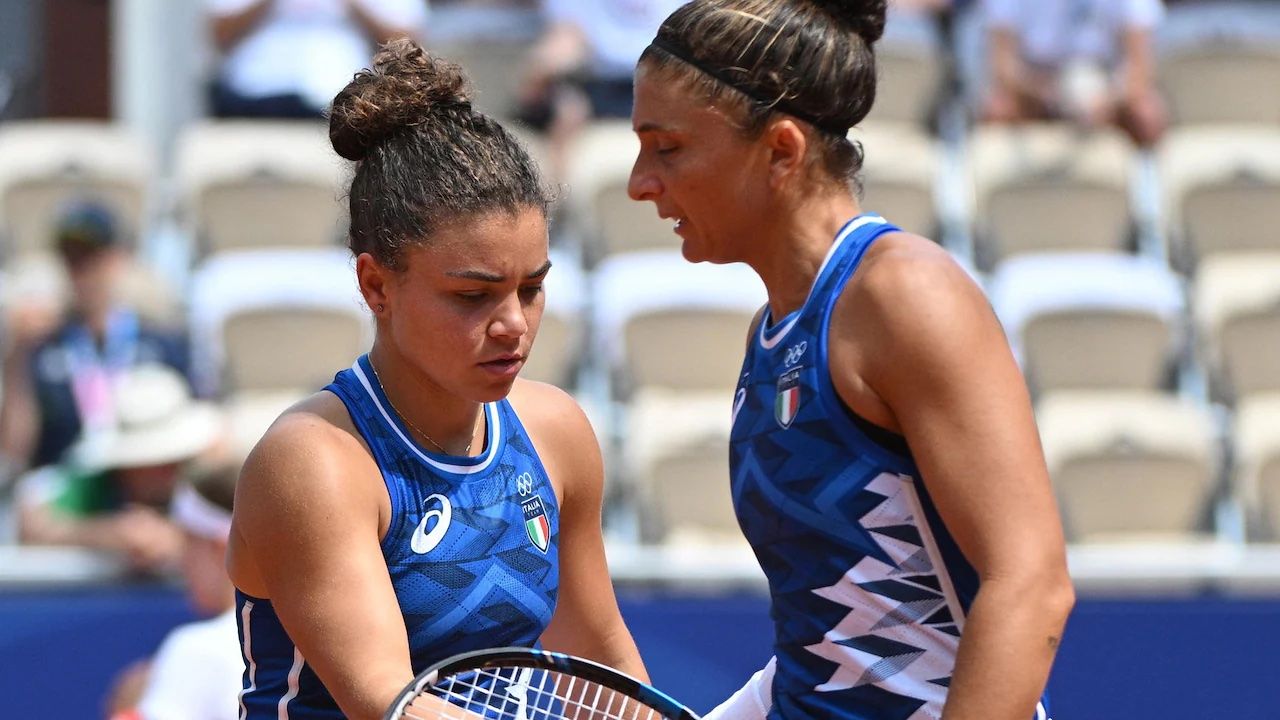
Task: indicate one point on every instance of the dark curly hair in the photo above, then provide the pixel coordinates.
(813, 59)
(424, 156)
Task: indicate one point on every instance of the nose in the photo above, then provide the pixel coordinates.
(643, 184)
(509, 320)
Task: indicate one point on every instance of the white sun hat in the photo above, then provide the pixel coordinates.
(157, 423)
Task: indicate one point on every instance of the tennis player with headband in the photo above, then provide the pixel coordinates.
(427, 502)
(885, 462)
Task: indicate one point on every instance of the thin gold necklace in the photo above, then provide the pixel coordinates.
(405, 418)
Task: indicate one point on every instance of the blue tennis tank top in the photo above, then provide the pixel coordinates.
(471, 550)
(869, 590)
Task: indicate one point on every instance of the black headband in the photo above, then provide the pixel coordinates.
(680, 52)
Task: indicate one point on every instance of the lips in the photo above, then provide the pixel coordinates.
(504, 365)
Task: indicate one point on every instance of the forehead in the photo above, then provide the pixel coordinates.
(666, 100)
(500, 241)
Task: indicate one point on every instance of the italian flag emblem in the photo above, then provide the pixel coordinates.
(787, 403)
(536, 523)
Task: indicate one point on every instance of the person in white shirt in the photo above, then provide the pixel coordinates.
(196, 673)
(288, 58)
(1087, 61)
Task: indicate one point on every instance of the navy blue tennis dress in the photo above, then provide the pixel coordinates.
(471, 550)
(869, 590)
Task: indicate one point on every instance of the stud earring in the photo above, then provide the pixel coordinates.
(381, 307)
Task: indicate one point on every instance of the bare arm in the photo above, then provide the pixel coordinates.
(19, 414)
(586, 622)
(307, 521)
(941, 364)
(231, 28)
(377, 30)
(561, 50)
(1139, 63)
(1007, 71)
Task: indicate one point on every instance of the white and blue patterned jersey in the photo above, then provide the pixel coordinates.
(869, 590)
(471, 550)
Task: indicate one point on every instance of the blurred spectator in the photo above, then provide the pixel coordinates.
(195, 674)
(58, 373)
(113, 491)
(462, 20)
(288, 58)
(1087, 61)
(581, 67)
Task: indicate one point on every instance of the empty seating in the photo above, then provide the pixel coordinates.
(1088, 321)
(46, 164)
(663, 322)
(1129, 465)
(493, 67)
(1221, 189)
(900, 170)
(673, 335)
(275, 320)
(260, 184)
(1257, 455)
(599, 168)
(677, 450)
(1237, 308)
(911, 77)
(1222, 82)
(557, 350)
(1049, 187)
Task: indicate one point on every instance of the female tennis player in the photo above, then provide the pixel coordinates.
(427, 502)
(885, 462)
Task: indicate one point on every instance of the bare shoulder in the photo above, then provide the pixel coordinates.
(544, 407)
(310, 452)
(909, 279)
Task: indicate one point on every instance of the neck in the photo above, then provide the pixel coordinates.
(96, 321)
(796, 244)
(438, 420)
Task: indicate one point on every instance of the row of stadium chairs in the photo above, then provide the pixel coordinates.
(1034, 188)
(1125, 466)
(1205, 82)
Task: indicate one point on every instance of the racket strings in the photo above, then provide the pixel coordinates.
(524, 694)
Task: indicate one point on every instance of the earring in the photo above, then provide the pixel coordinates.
(381, 307)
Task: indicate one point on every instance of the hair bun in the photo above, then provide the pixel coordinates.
(406, 87)
(864, 17)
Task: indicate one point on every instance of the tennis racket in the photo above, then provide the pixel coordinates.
(523, 684)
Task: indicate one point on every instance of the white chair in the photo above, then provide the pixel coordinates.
(1090, 321)
(1257, 452)
(599, 167)
(1049, 188)
(1226, 82)
(663, 322)
(275, 320)
(260, 184)
(557, 350)
(1237, 312)
(46, 164)
(677, 453)
(1129, 465)
(1221, 185)
(900, 172)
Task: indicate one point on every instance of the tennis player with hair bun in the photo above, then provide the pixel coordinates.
(427, 502)
(885, 463)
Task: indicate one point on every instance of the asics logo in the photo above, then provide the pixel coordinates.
(441, 510)
(737, 404)
(795, 352)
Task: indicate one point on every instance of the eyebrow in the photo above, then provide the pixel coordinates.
(645, 127)
(482, 276)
